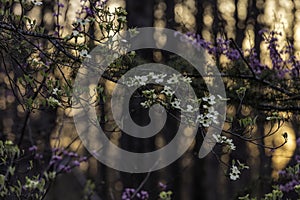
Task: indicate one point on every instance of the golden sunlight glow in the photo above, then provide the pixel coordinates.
(112, 4)
(73, 6)
(17, 9)
(227, 9)
(159, 14)
(208, 20)
(159, 21)
(185, 12)
(242, 9)
(160, 39)
(269, 10)
(248, 41)
(297, 28)
(160, 142)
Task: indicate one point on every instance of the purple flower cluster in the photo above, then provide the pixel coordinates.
(289, 180)
(60, 5)
(88, 11)
(281, 67)
(297, 158)
(32, 148)
(162, 186)
(289, 186)
(62, 160)
(128, 193)
(101, 3)
(290, 176)
(290, 65)
(278, 63)
(254, 62)
(298, 142)
(222, 47)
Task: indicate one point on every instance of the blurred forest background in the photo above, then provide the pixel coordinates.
(189, 177)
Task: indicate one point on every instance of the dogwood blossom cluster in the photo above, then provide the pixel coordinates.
(156, 78)
(234, 173)
(53, 102)
(166, 96)
(211, 115)
(224, 140)
(235, 170)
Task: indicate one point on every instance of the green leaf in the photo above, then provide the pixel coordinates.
(30, 164)
(11, 170)
(2, 179)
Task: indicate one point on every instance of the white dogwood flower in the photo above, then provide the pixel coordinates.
(36, 3)
(210, 99)
(141, 79)
(167, 91)
(176, 103)
(173, 79)
(234, 173)
(75, 33)
(84, 53)
(55, 91)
